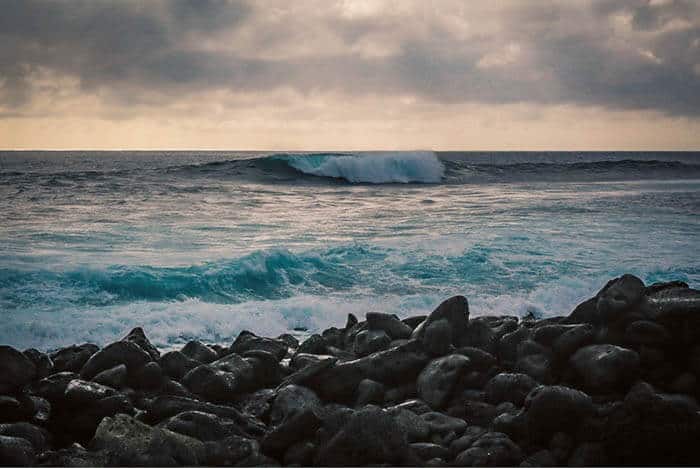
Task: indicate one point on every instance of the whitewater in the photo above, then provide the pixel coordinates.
(206, 244)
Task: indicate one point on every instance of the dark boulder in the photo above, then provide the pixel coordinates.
(455, 310)
(390, 324)
(80, 392)
(16, 369)
(148, 377)
(212, 384)
(589, 454)
(247, 341)
(38, 437)
(202, 426)
(175, 364)
(121, 352)
(619, 297)
(442, 424)
(369, 392)
(54, 386)
(437, 338)
(73, 358)
(16, 451)
(370, 436)
(437, 381)
(673, 304)
(428, 451)
(550, 409)
(42, 362)
(138, 337)
(491, 449)
(537, 366)
(292, 400)
(508, 344)
(114, 377)
(370, 341)
(571, 340)
(234, 451)
(18, 407)
(199, 352)
(605, 368)
(509, 387)
(302, 426)
(315, 344)
(646, 332)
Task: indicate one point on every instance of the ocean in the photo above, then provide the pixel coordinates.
(206, 244)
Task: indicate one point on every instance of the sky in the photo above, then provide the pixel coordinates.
(362, 74)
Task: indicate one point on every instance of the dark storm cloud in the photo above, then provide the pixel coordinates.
(137, 50)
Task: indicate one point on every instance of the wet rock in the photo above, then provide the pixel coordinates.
(54, 386)
(370, 436)
(537, 366)
(491, 449)
(427, 451)
(571, 340)
(289, 340)
(121, 352)
(480, 360)
(175, 364)
(247, 341)
(292, 400)
(619, 297)
(645, 332)
(508, 344)
(437, 381)
(673, 304)
(414, 405)
(114, 377)
(211, 384)
(605, 367)
(138, 337)
(390, 324)
(15, 451)
(370, 341)
(550, 409)
(315, 344)
(233, 451)
(437, 337)
(586, 312)
(400, 393)
(455, 310)
(294, 429)
(42, 362)
(16, 369)
(480, 335)
(130, 442)
(202, 426)
(73, 358)
(441, 424)
(412, 424)
(509, 387)
(17, 407)
(73, 455)
(80, 392)
(37, 437)
(476, 412)
(199, 352)
(369, 391)
(460, 444)
(308, 369)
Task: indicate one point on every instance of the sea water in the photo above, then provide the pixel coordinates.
(206, 244)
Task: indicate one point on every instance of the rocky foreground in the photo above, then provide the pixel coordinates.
(614, 382)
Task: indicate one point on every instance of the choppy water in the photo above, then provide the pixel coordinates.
(202, 244)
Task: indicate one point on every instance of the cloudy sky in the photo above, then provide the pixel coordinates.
(361, 74)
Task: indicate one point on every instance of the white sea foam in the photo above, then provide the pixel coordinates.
(375, 168)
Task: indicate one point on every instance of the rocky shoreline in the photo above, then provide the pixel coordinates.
(615, 382)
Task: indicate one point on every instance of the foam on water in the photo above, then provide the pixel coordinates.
(375, 168)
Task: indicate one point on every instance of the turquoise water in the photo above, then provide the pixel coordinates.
(207, 244)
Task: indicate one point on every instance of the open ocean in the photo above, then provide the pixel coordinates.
(206, 244)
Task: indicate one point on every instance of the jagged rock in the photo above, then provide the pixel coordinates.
(370, 341)
(138, 337)
(212, 384)
(247, 341)
(370, 436)
(456, 311)
(491, 449)
(437, 381)
(73, 358)
(605, 367)
(114, 377)
(199, 352)
(437, 337)
(509, 387)
(121, 352)
(619, 297)
(315, 344)
(15, 451)
(175, 364)
(292, 400)
(390, 324)
(550, 409)
(16, 369)
(369, 391)
(645, 332)
(130, 442)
